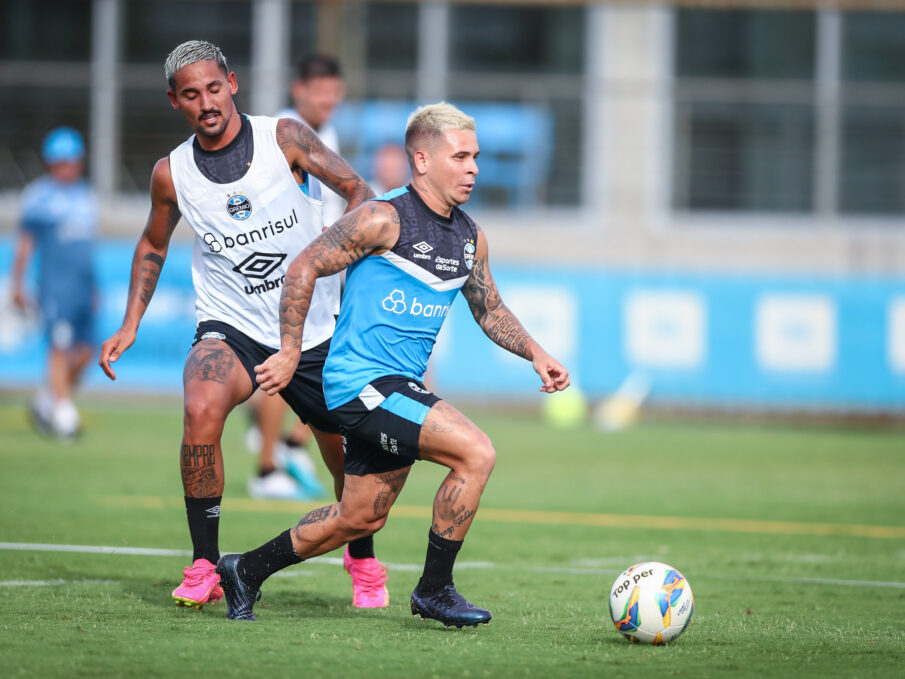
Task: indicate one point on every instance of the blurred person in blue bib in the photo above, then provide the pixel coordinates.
(58, 223)
(286, 470)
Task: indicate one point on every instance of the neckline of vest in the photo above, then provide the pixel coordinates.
(438, 217)
(243, 133)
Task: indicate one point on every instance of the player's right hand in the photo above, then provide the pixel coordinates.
(113, 348)
(275, 373)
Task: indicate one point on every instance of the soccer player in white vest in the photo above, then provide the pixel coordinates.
(249, 188)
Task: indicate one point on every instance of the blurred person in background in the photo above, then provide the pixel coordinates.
(389, 168)
(316, 90)
(285, 468)
(58, 221)
(248, 187)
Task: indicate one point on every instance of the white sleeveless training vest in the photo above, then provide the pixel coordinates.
(247, 233)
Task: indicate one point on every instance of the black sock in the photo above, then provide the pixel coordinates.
(204, 526)
(293, 442)
(438, 566)
(362, 548)
(259, 564)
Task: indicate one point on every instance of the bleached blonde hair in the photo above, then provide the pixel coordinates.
(191, 52)
(432, 121)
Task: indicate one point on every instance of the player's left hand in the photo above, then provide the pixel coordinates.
(275, 373)
(554, 376)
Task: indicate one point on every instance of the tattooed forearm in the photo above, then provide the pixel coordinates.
(319, 515)
(151, 264)
(295, 299)
(504, 329)
(494, 317)
(209, 361)
(172, 219)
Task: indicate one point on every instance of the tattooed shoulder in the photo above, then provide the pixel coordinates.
(292, 134)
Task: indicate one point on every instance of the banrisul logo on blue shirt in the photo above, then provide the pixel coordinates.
(238, 207)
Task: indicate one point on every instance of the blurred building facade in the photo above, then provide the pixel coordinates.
(712, 193)
(665, 133)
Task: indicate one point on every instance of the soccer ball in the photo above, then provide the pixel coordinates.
(651, 603)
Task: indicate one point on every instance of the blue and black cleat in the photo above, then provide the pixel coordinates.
(449, 607)
(240, 597)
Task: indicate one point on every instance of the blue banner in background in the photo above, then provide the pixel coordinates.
(763, 342)
(153, 363)
(699, 340)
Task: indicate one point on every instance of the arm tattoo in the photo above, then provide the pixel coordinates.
(173, 216)
(323, 163)
(151, 264)
(494, 317)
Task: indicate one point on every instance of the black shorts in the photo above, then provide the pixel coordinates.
(304, 393)
(381, 430)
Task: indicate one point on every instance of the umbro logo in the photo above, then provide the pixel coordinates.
(422, 249)
(213, 512)
(259, 264)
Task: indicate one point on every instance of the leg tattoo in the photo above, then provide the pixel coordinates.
(448, 516)
(199, 470)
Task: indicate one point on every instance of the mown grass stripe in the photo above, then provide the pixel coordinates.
(528, 516)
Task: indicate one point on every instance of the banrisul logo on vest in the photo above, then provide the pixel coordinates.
(252, 235)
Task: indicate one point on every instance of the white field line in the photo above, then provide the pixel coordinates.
(51, 583)
(332, 561)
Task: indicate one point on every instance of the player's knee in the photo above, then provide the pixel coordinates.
(481, 454)
(203, 414)
(360, 524)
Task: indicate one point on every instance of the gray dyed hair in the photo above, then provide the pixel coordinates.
(191, 52)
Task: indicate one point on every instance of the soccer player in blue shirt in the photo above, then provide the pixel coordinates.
(58, 221)
(408, 254)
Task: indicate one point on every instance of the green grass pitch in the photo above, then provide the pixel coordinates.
(792, 538)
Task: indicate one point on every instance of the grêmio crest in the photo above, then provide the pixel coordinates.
(238, 207)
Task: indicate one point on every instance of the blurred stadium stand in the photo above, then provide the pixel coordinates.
(719, 155)
(516, 144)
